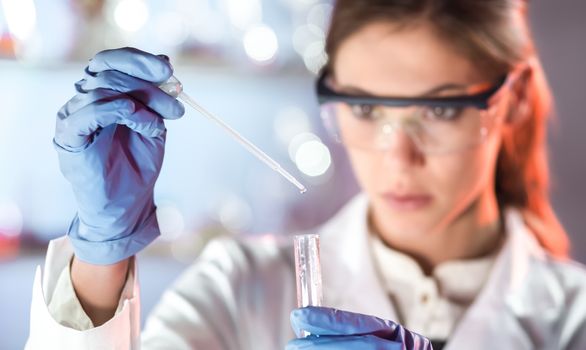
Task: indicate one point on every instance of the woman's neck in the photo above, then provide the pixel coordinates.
(475, 232)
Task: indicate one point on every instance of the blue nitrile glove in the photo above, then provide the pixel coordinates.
(336, 329)
(110, 139)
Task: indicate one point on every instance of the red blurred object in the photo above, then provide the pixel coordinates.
(9, 246)
(7, 46)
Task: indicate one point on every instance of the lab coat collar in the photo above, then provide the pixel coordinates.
(522, 299)
(513, 308)
(350, 280)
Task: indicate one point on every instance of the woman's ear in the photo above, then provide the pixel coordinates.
(519, 106)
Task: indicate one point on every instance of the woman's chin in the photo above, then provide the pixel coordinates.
(419, 222)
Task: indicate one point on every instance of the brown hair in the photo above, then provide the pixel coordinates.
(495, 35)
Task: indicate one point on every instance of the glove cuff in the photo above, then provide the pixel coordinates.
(115, 250)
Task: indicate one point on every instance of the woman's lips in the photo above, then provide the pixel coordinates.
(406, 202)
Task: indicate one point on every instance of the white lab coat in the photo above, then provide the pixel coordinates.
(238, 295)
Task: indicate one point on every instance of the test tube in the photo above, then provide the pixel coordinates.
(308, 272)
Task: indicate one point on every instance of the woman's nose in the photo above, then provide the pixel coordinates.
(399, 147)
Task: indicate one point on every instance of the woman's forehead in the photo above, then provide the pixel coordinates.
(412, 60)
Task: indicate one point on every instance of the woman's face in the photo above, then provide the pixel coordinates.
(411, 192)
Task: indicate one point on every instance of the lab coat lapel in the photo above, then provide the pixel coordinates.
(350, 280)
(516, 309)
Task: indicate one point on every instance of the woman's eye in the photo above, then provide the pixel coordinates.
(363, 111)
(443, 113)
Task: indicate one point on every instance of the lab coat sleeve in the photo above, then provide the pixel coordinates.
(64, 305)
(49, 332)
(235, 296)
(66, 309)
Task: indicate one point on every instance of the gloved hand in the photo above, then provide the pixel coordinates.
(336, 329)
(110, 140)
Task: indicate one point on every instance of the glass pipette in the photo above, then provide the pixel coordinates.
(173, 87)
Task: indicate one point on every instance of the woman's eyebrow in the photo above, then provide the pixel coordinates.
(434, 91)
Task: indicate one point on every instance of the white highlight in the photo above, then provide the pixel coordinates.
(311, 156)
(131, 15)
(21, 18)
(260, 43)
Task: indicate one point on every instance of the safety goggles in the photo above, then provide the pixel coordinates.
(436, 125)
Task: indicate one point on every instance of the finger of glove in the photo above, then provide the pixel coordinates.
(134, 62)
(328, 321)
(82, 100)
(76, 131)
(144, 121)
(141, 90)
(362, 342)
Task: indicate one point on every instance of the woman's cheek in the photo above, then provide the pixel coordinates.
(460, 177)
(366, 171)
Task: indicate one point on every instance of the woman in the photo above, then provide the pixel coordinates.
(441, 106)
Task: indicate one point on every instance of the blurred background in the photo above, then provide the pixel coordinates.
(253, 63)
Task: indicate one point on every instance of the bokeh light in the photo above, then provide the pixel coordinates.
(309, 40)
(300, 5)
(171, 221)
(305, 35)
(315, 57)
(289, 122)
(243, 13)
(21, 18)
(299, 140)
(319, 16)
(313, 158)
(11, 220)
(235, 214)
(131, 15)
(260, 43)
